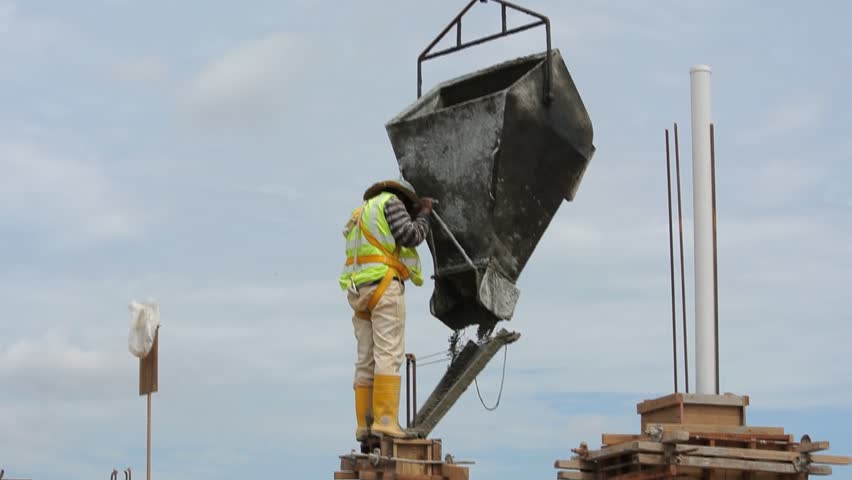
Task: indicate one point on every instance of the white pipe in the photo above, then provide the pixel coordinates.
(705, 341)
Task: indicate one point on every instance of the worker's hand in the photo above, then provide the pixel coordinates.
(426, 205)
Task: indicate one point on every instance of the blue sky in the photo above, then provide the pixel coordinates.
(205, 154)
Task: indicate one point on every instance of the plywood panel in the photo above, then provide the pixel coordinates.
(148, 368)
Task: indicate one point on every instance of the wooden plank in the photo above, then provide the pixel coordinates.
(565, 475)
(719, 400)
(670, 414)
(613, 451)
(677, 427)
(738, 453)
(575, 464)
(419, 450)
(713, 414)
(649, 474)
(811, 447)
(455, 472)
(831, 459)
(436, 449)
(691, 398)
(657, 403)
(674, 437)
(739, 437)
(720, 463)
(345, 475)
(411, 476)
(148, 368)
(616, 438)
(819, 470)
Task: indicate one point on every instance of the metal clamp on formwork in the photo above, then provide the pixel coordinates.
(542, 20)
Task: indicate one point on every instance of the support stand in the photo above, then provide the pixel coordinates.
(401, 459)
(148, 368)
(701, 437)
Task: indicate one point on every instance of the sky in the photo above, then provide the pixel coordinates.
(205, 155)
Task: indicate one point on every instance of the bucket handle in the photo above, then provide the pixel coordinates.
(428, 54)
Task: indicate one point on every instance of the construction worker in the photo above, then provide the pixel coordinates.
(381, 237)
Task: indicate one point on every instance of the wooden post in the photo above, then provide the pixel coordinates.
(148, 450)
(148, 367)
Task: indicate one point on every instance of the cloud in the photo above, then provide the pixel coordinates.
(262, 295)
(250, 81)
(22, 35)
(143, 70)
(785, 118)
(71, 199)
(52, 365)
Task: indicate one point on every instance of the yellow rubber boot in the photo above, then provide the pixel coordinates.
(386, 406)
(363, 408)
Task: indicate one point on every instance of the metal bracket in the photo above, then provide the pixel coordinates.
(428, 54)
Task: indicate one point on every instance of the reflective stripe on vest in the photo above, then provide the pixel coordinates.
(366, 262)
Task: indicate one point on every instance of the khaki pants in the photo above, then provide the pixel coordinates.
(381, 340)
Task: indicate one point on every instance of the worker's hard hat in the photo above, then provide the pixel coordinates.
(400, 186)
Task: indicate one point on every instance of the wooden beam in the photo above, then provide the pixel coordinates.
(819, 470)
(811, 447)
(739, 453)
(650, 474)
(831, 459)
(674, 437)
(657, 403)
(409, 476)
(575, 464)
(615, 450)
(616, 438)
(677, 427)
(346, 475)
(566, 475)
(719, 463)
(739, 437)
(691, 398)
(455, 472)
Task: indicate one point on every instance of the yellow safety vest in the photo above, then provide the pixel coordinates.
(372, 253)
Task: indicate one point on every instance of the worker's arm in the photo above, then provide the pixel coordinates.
(406, 231)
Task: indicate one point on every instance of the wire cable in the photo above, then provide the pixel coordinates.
(502, 381)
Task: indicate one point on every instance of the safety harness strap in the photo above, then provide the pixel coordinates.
(395, 269)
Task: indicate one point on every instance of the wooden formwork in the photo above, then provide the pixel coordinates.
(401, 459)
(722, 447)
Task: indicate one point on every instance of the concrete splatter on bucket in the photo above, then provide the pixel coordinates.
(501, 157)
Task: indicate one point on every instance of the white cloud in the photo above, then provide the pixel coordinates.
(21, 34)
(249, 81)
(311, 293)
(793, 115)
(145, 70)
(52, 368)
(72, 199)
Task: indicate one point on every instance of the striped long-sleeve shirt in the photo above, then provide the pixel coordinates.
(406, 231)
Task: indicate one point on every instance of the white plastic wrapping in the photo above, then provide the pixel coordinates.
(143, 327)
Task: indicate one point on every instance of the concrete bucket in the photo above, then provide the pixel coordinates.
(500, 149)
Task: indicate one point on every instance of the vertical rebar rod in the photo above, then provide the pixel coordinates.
(671, 258)
(413, 391)
(715, 249)
(407, 391)
(148, 454)
(682, 280)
